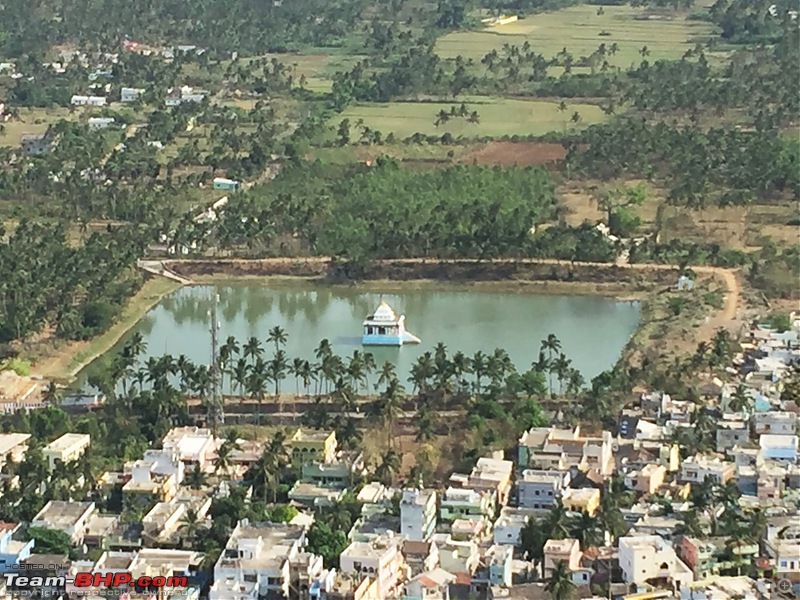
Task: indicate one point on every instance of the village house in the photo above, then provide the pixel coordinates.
(509, 525)
(560, 449)
(152, 479)
(13, 447)
(69, 517)
(312, 446)
(372, 525)
(12, 551)
(195, 445)
(36, 144)
(585, 500)
(775, 422)
(457, 556)
(19, 393)
(430, 585)
(699, 468)
(567, 550)
(646, 480)
(312, 495)
(459, 503)
(100, 122)
(381, 559)
(540, 489)
(66, 449)
(78, 100)
(707, 557)
(267, 558)
(490, 475)
(420, 556)
(730, 433)
(162, 525)
(778, 447)
(344, 470)
(128, 94)
(418, 510)
(649, 558)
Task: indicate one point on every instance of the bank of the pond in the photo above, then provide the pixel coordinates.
(60, 361)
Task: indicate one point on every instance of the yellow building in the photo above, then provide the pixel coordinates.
(313, 446)
(585, 500)
(66, 449)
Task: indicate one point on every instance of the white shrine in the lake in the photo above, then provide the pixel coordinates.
(385, 328)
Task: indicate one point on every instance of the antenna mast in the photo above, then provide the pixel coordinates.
(216, 410)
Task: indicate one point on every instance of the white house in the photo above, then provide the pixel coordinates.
(195, 445)
(266, 558)
(779, 447)
(88, 101)
(418, 514)
(101, 122)
(646, 557)
(509, 525)
(697, 469)
(69, 517)
(380, 559)
(128, 94)
(66, 449)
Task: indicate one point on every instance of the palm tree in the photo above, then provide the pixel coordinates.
(389, 466)
(561, 367)
(551, 345)
(257, 380)
(740, 400)
(387, 374)
(277, 336)
(390, 406)
(196, 477)
(189, 527)
(478, 363)
(557, 522)
(252, 349)
(586, 529)
(560, 585)
(239, 374)
(276, 370)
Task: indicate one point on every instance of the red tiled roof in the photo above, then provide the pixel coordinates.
(4, 526)
(463, 578)
(427, 581)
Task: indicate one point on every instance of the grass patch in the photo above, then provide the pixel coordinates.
(498, 117)
(61, 361)
(578, 29)
(32, 120)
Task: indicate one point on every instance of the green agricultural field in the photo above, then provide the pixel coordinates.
(497, 117)
(579, 29)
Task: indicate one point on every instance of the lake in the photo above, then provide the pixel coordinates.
(593, 329)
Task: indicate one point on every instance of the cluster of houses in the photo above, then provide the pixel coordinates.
(466, 538)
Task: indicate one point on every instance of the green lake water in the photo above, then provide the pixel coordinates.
(593, 329)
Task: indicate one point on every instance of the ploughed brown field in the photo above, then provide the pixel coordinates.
(517, 153)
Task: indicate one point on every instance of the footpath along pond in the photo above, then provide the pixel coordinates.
(593, 330)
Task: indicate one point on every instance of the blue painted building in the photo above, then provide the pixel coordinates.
(12, 551)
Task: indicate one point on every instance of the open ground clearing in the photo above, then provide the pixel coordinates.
(498, 117)
(31, 120)
(736, 227)
(579, 29)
